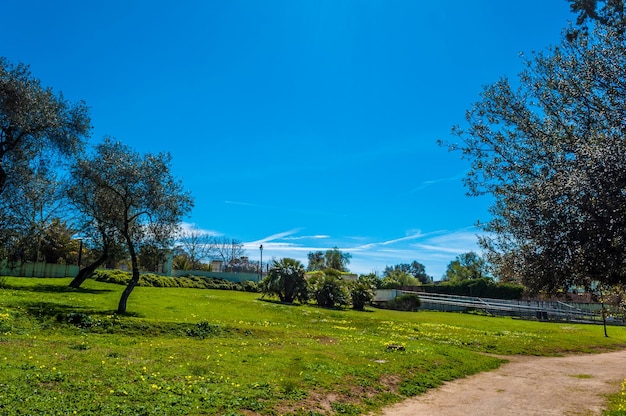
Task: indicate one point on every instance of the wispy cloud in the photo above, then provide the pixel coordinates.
(308, 237)
(433, 249)
(432, 182)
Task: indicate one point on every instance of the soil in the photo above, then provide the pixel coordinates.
(572, 385)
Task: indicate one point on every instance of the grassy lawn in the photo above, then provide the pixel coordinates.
(192, 351)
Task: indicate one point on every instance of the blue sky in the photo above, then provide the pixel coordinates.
(299, 125)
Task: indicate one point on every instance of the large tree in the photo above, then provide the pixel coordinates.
(34, 122)
(147, 202)
(415, 269)
(467, 266)
(552, 154)
(330, 259)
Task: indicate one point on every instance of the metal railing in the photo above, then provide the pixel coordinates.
(541, 310)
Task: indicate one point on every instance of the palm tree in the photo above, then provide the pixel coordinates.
(286, 280)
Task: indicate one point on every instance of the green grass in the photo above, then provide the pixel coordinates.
(193, 351)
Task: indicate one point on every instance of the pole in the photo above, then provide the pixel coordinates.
(261, 268)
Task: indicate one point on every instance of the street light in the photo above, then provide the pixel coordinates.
(261, 268)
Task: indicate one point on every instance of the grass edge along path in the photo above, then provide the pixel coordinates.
(192, 351)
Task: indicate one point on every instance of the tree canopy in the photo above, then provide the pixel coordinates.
(330, 259)
(34, 122)
(414, 269)
(552, 154)
(466, 266)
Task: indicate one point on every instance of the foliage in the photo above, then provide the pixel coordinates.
(396, 278)
(362, 291)
(329, 290)
(409, 302)
(553, 156)
(286, 280)
(144, 202)
(466, 266)
(264, 358)
(34, 122)
(484, 287)
(415, 269)
(197, 282)
(331, 259)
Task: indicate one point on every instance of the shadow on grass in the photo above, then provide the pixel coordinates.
(44, 288)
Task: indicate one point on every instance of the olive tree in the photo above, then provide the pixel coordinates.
(552, 154)
(34, 122)
(144, 202)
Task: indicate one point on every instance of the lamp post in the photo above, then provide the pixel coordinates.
(80, 252)
(261, 268)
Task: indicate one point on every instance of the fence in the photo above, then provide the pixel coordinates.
(525, 309)
(69, 270)
(38, 269)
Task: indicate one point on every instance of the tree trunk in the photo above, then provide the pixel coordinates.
(87, 271)
(3, 178)
(121, 308)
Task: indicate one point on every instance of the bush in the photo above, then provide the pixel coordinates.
(409, 302)
(330, 290)
(189, 281)
(362, 293)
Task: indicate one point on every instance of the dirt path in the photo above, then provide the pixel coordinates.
(573, 385)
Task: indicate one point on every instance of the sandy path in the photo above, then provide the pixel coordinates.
(573, 385)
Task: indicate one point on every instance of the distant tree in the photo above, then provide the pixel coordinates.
(147, 202)
(198, 246)
(316, 261)
(228, 250)
(466, 266)
(337, 260)
(286, 280)
(551, 152)
(330, 259)
(396, 278)
(57, 244)
(415, 269)
(34, 122)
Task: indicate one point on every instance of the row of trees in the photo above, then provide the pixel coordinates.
(115, 197)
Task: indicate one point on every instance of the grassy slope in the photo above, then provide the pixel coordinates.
(257, 357)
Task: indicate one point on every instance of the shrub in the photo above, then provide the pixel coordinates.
(362, 293)
(286, 280)
(330, 290)
(409, 302)
(189, 281)
(203, 330)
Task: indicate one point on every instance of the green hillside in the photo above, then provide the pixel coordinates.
(194, 351)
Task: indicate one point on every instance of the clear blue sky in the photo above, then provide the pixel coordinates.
(299, 125)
